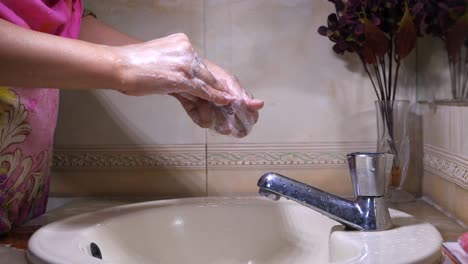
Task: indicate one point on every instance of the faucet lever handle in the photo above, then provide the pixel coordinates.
(368, 173)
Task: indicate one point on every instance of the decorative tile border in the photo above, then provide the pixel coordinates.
(446, 165)
(194, 156)
(137, 157)
(275, 158)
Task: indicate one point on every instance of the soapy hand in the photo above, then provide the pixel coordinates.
(236, 118)
(168, 65)
(212, 97)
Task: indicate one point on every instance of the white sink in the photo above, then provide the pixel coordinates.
(228, 231)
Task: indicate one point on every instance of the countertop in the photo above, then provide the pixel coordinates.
(12, 246)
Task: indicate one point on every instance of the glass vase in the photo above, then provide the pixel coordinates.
(393, 138)
(458, 67)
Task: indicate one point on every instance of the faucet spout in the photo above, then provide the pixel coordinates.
(365, 213)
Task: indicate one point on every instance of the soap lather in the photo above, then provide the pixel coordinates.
(238, 119)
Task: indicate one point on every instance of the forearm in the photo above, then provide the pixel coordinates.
(95, 31)
(34, 59)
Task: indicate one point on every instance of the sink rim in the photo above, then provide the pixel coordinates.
(36, 252)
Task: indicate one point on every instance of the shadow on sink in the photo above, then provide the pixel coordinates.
(342, 249)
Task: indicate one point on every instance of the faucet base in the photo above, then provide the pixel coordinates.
(375, 214)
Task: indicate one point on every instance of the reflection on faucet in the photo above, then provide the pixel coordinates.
(367, 212)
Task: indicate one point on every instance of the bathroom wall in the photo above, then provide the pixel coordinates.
(445, 179)
(445, 129)
(318, 106)
(433, 78)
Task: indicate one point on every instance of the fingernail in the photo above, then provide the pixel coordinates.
(256, 102)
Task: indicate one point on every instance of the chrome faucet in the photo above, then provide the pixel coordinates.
(369, 177)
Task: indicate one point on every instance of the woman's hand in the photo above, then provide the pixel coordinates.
(232, 85)
(236, 119)
(166, 66)
(211, 96)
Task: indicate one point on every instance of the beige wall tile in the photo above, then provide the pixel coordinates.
(461, 204)
(153, 183)
(238, 181)
(149, 19)
(447, 130)
(464, 130)
(448, 195)
(438, 128)
(440, 191)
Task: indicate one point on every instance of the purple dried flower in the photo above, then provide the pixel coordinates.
(447, 20)
(441, 15)
(346, 26)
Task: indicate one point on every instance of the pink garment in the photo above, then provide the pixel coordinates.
(463, 241)
(28, 116)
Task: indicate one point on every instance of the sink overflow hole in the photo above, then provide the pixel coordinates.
(95, 251)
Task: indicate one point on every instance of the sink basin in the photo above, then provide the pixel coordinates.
(228, 231)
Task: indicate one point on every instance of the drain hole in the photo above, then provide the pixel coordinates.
(95, 251)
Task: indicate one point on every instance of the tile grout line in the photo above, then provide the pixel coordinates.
(206, 130)
(206, 165)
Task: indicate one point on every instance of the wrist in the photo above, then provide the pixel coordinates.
(119, 70)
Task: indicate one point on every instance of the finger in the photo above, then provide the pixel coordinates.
(239, 126)
(212, 95)
(256, 117)
(220, 123)
(250, 102)
(202, 73)
(236, 120)
(204, 112)
(254, 104)
(253, 116)
(190, 107)
(243, 119)
(190, 97)
(184, 99)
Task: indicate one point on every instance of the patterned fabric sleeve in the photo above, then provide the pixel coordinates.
(28, 116)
